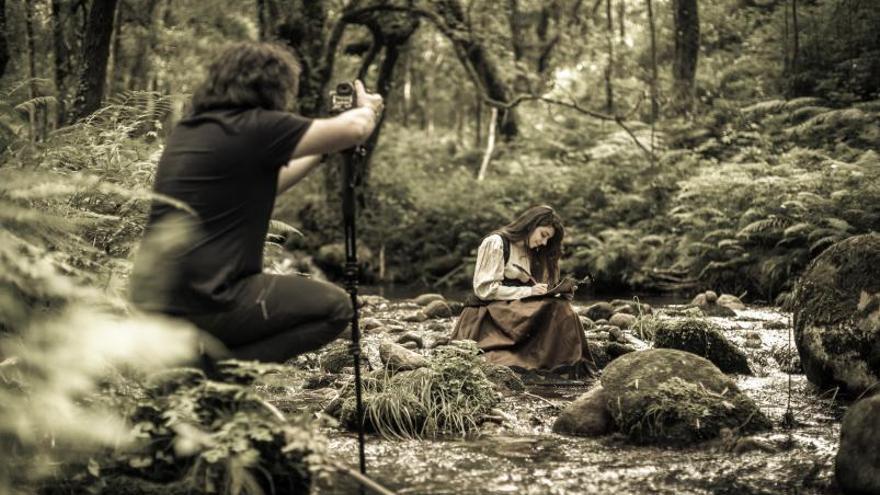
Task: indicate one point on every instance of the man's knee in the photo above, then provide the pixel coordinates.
(341, 310)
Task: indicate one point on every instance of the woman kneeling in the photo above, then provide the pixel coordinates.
(510, 317)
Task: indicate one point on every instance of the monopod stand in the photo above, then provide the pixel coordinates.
(353, 158)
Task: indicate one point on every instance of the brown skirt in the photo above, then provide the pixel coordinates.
(531, 333)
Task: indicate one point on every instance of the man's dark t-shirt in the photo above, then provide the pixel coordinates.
(224, 165)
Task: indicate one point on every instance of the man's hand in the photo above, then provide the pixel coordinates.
(539, 289)
(372, 101)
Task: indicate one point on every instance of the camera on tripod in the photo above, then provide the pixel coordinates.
(342, 98)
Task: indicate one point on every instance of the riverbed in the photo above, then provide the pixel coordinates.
(522, 455)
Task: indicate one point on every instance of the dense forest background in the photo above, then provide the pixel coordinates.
(687, 145)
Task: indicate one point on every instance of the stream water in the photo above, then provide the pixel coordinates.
(523, 455)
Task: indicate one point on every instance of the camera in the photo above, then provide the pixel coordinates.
(342, 98)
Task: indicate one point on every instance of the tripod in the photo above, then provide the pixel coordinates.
(354, 158)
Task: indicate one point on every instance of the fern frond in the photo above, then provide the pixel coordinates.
(30, 107)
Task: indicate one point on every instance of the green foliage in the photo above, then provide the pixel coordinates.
(448, 397)
(219, 437)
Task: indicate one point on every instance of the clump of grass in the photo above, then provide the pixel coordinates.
(447, 398)
(679, 412)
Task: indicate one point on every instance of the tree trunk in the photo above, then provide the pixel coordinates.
(61, 60)
(796, 48)
(472, 53)
(141, 74)
(655, 109)
(95, 54)
(33, 115)
(687, 48)
(4, 44)
(609, 67)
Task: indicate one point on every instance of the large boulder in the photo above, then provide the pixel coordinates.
(837, 316)
(857, 467)
(674, 397)
(703, 338)
(587, 416)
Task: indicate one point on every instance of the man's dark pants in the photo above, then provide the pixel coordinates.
(277, 317)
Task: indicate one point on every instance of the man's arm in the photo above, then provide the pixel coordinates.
(295, 171)
(343, 131)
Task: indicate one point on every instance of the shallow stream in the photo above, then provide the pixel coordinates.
(523, 455)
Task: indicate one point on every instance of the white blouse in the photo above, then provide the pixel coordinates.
(491, 270)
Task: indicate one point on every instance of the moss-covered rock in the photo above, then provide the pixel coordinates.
(673, 397)
(837, 316)
(587, 416)
(703, 338)
(857, 467)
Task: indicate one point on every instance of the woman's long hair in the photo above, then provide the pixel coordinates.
(249, 75)
(545, 260)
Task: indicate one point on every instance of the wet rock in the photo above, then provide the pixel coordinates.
(438, 309)
(336, 358)
(411, 337)
(370, 323)
(398, 358)
(837, 316)
(587, 323)
(598, 311)
(320, 381)
(616, 349)
(623, 320)
(426, 299)
(731, 301)
(614, 334)
(456, 307)
(625, 309)
(595, 353)
(439, 341)
(503, 377)
(587, 416)
(674, 397)
(775, 325)
(708, 304)
(857, 466)
(410, 345)
(635, 308)
(702, 338)
(371, 300)
(417, 317)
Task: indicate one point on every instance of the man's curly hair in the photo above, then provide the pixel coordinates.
(250, 75)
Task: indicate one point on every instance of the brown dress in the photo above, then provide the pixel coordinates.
(534, 333)
(512, 328)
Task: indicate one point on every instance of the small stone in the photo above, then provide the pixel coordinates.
(370, 323)
(417, 317)
(413, 338)
(598, 311)
(623, 320)
(438, 309)
(425, 299)
(614, 334)
(398, 358)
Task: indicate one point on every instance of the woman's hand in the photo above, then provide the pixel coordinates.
(539, 289)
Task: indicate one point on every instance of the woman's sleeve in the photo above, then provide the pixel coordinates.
(489, 273)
